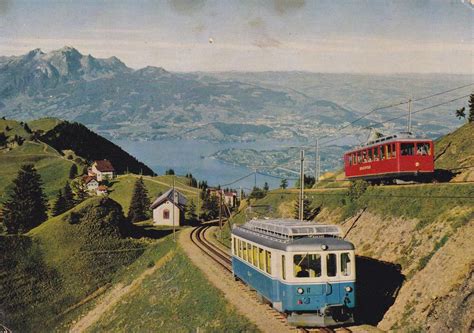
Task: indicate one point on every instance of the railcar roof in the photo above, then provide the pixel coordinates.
(389, 139)
(300, 243)
(289, 228)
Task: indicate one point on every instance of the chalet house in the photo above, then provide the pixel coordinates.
(167, 206)
(230, 199)
(102, 190)
(90, 183)
(103, 170)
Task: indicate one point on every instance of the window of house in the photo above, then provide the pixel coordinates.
(268, 262)
(166, 214)
(407, 148)
(345, 264)
(307, 265)
(331, 264)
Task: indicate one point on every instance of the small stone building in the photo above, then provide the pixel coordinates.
(103, 170)
(168, 206)
(90, 183)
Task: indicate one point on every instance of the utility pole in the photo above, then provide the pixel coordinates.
(409, 116)
(317, 161)
(255, 178)
(172, 211)
(301, 198)
(220, 213)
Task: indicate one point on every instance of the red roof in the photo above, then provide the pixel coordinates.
(87, 179)
(102, 188)
(104, 166)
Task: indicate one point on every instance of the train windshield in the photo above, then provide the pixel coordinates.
(307, 265)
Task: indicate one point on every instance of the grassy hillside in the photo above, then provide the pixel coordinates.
(456, 151)
(60, 263)
(175, 298)
(122, 188)
(63, 268)
(53, 168)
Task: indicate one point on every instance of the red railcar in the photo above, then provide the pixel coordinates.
(390, 158)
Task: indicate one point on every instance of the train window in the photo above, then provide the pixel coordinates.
(389, 151)
(241, 248)
(376, 153)
(268, 262)
(345, 264)
(331, 264)
(394, 151)
(359, 157)
(234, 240)
(370, 155)
(255, 255)
(283, 267)
(382, 152)
(407, 149)
(364, 156)
(354, 158)
(307, 265)
(423, 148)
(245, 256)
(261, 259)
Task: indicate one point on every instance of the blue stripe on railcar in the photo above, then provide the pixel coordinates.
(315, 296)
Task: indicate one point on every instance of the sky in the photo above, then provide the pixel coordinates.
(376, 36)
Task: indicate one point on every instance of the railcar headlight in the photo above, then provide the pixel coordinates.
(324, 247)
(300, 291)
(348, 289)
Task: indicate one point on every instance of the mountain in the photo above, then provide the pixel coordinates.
(153, 103)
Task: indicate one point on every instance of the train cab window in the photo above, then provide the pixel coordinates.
(354, 159)
(283, 267)
(345, 264)
(261, 259)
(382, 152)
(359, 157)
(268, 262)
(307, 265)
(364, 156)
(423, 148)
(376, 153)
(331, 264)
(407, 149)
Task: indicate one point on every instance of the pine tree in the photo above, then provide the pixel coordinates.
(73, 171)
(68, 197)
(3, 139)
(191, 215)
(306, 209)
(140, 203)
(284, 184)
(266, 187)
(27, 205)
(471, 109)
(461, 113)
(59, 206)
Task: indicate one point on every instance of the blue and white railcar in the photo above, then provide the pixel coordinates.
(303, 269)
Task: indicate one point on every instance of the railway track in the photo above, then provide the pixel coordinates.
(223, 259)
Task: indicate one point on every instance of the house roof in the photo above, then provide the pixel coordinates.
(104, 166)
(168, 196)
(102, 188)
(88, 179)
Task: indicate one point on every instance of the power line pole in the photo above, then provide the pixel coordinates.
(255, 180)
(317, 163)
(301, 198)
(220, 214)
(409, 117)
(172, 211)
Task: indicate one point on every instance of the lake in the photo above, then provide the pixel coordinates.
(193, 156)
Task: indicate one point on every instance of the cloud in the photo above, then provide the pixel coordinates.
(286, 6)
(186, 7)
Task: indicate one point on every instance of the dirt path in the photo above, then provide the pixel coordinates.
(115, 295)
(232, 290)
